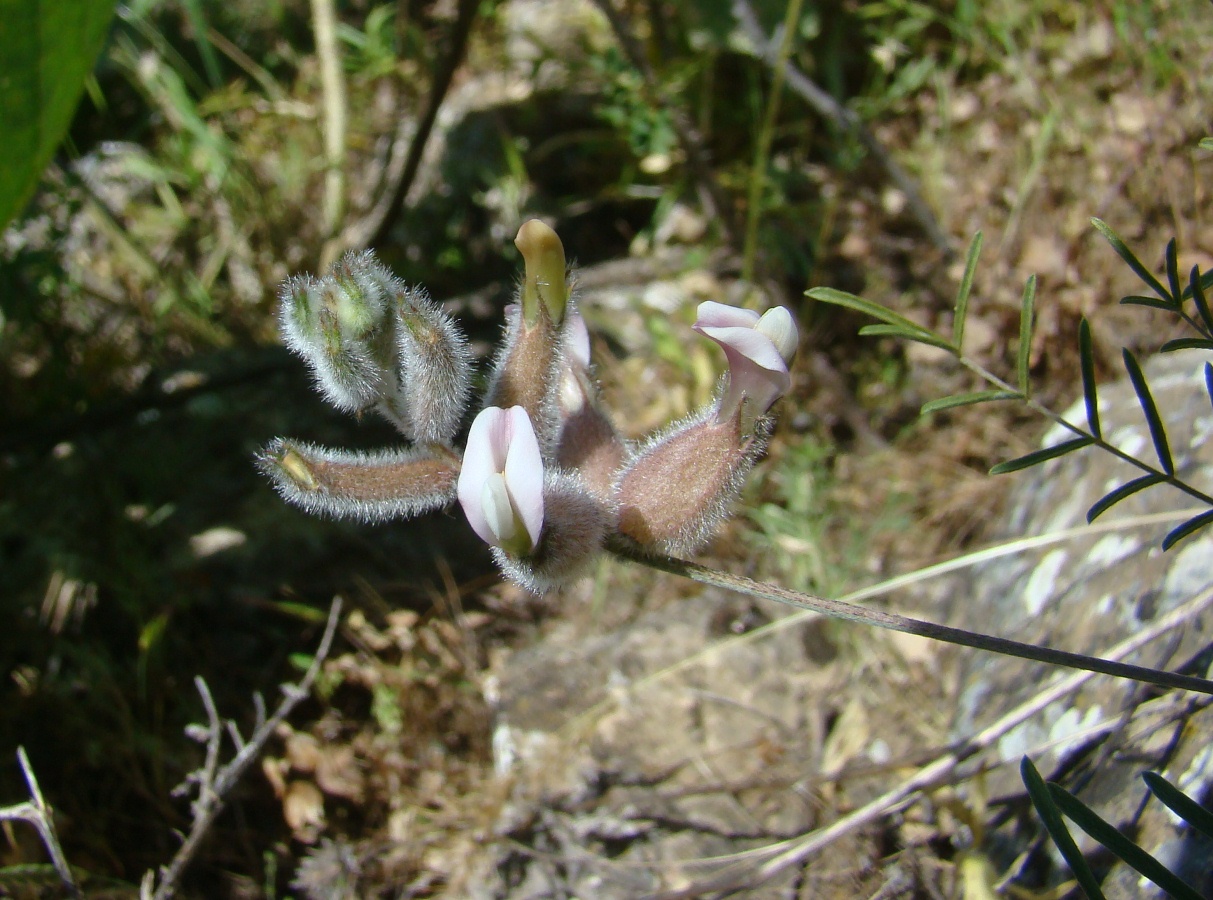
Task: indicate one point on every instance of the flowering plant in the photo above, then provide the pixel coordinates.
(544, 476)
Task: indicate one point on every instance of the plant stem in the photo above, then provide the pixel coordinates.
(839, 610)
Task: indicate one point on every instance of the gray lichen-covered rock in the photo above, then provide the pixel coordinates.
(1091, 591)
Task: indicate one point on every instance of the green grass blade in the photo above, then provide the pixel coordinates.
(1036, 458)
(859, 304)
(1126, 490)
(1038, 791)
(1197, 289)
(1172, 261)
(1186, 344)
(1133, 855)
(1087, 363)
(1179, 803)
(962, 296)
(1158, 433)
(1026, 312)
(910, 334)
(955, 400)
(1187, 529)
(1133, 262)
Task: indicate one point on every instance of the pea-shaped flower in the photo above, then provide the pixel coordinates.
(758, 349)
(501, 482)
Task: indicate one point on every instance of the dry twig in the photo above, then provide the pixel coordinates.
(38, 814)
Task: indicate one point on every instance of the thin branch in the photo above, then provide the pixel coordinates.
(787, 854)
(336, 115)
(829, 108)
(214, 783)
(403, 166)
(839, 610)
(38, 814)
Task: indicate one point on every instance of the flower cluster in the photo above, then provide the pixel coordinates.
(544, 477)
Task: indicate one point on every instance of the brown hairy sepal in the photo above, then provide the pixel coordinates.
(576, 524)
(526, 373)
(371, 487)
(677, 490)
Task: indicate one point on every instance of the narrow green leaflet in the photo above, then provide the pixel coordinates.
(1206, 283)
(962, 296)
(1197, 289)
(1186, 529)
(1086, 819)
(1133, 262)
(1158, 433)
(968, 400)
(1039, 456)
(1179, 803)
(47, 50)
(917, 334)
(1086, 358)
(1152, 302)
(1205, 143)
(1025, 335)
(1038, 791)
(1209, 380)
(1123, 492)
(1186, 344)
(859, 304)
(1172, 262)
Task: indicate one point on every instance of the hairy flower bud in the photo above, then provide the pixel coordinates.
(435, 368)
(545, 281)
(678, 488)
(589, 443)
(758, 349)
(373, 487)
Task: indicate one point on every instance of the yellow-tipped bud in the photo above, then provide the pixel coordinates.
(545, 271)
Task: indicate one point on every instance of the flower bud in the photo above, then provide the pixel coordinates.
(678, 488)
(372, 487)
(545, 281)
(758, 349)
(435, 368)
(501, 484)
(589, 443)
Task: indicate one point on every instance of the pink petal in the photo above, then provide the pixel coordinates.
(711, 314)
(524, 473)
(489, 434)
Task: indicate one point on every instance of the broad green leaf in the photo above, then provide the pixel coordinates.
(1036, 458)
(968, 399)
(1086, 819)
(1086, 359)
(1026, 313)
(962, 296)
(1187, 529)
(47, 50)
(1127, 255)
(1186, 344)
(1179, 803)
(1126, 490)
(1158, 432)
(1196, 289)
(1038, 791)
(1171, 258)
(859, 304)
(910, 334)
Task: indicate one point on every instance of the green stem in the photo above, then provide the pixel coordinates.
(839, 610)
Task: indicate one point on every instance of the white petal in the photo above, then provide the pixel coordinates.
(524, 473)
(711, 314)
(777, 324)
(498, 511)
(489, 433)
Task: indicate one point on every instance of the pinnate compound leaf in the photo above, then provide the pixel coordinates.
(968, 400)
(1186, 344)
(1037, 457)
(1087, 363)
(1041, 798)
(1188, 528)
(1145, 864)
(1126, 490)
(921, 335)
(1158, 433)
(962, 296)
(47, 50)
(1026, 313)
(1133, 262)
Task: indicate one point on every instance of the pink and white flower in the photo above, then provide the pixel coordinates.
(501, 483)
(758, 349)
